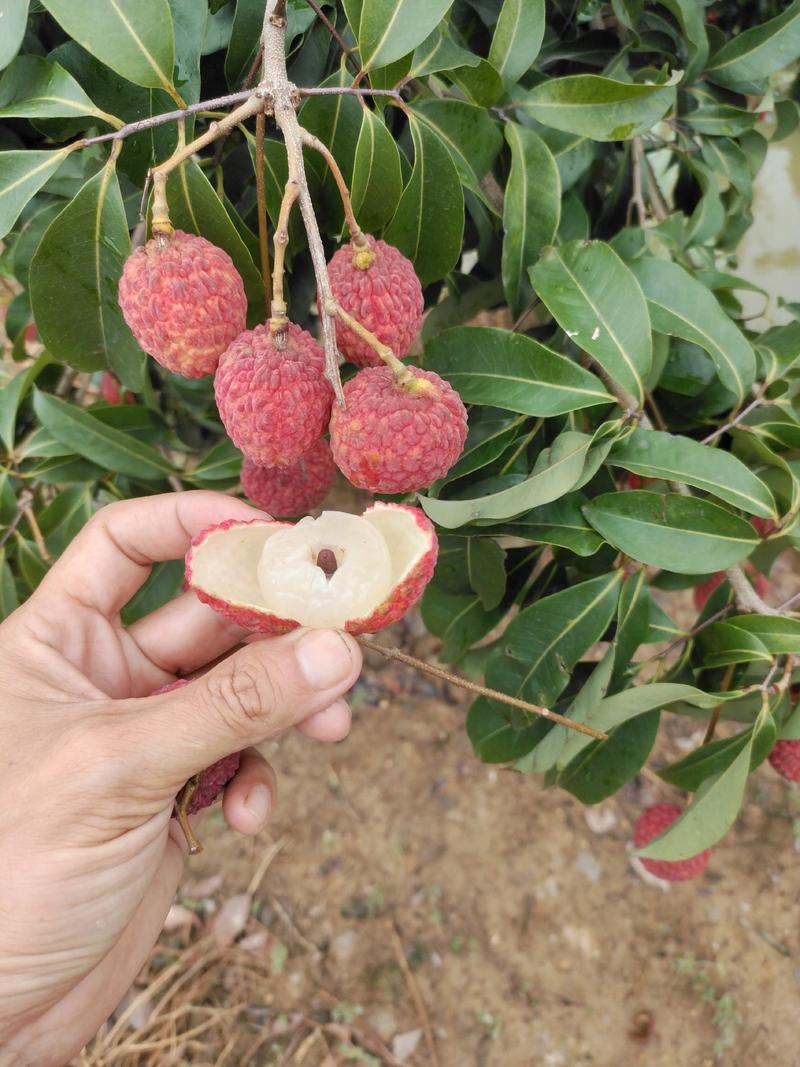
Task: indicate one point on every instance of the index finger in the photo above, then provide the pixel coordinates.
(111, 557)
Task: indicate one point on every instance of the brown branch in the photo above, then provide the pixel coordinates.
(348, 90)
(747, 599)
(278, 308)
(261, 208)
(355, 230)
(400, 370)
(169, 116)
(23, 503)
(637, 197)
(756, 403)
(657, 201)
(480, 690)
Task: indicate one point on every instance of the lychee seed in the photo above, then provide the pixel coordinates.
(293, 490)
(785, 759)
(383, 292)
(184, 302)
(274, 404)
(652, 822)
(327, 562)
(397, 438)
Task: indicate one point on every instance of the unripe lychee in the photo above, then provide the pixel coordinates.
(397, 437)
(293, 490)
(184, 302)
(275, 404)
(652, 822)
(377, 286)
(785, 759)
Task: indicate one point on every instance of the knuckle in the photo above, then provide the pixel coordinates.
(245, 695)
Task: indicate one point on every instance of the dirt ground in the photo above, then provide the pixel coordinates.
(405, 879)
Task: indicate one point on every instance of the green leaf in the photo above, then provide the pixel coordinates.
(135, 40)
(13, 19)
(690, 17)
(558, 523)
(440, 52)
(32, 87)
(9, 601)
(487, 365)
(606, 766)
(221, 462)
(244, 40)
(112, 449)
(598, 108)
(13, 393)
(531, 210)
(377, 181)
(653, 454)
(64, 516)
(681, 306)
(543, 643)
(674, 532)
(428, 225)
(459, 619)
(633, 624)
(486, 570)
(747, 59)
(494, 738)
(163, 585)
(74, 278)
(725, 643)
(388, 30)
(780, 636)
(470, 134)
(598, 302)
(22, 174)
(517, 38)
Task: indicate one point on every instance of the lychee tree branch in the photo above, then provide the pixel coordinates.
(399, 369)
(278, 319)
(261, 207)
(355, 230)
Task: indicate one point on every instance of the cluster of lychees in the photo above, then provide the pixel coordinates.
(185, 303)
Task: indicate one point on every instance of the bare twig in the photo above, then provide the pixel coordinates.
(747, 599)
(481, 690)
(278, 320)
(132, 128)
(756, 403)
(657, 202)
(23, 503)
(261, 208)
(355, 230)
(637, 197)
(416, 996)
(348, 90)
(401, 371)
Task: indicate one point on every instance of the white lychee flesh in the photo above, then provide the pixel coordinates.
(296, 587)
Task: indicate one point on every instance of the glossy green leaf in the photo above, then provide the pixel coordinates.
(486, 570)
(598, 302)
(597, 107)
(517, 38)
(388, 30)
(245, 36)
(34, 88)
(428, 225)
(112, 449)
(13, 18)
(9, 601)
(64, 516)
(459, 619)
(780, 636)
(472, 137)
(377, 180)
(531, 211)
(491, 366)
(558, 523)
(440, 52)
(221, 462)
(494, 738)
(712, 758)
(681, 306)
(22, 174)
(690, 17)
(136, 40)
(604, 767)
(13, 393)
(677, 533)
(723, 644)
(633, 625)
(654, 454)
(745, 61)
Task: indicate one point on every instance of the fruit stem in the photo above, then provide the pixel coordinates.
(278, 320)
(366, 256)
(261, 200)
(399, 369)
(181, 813)
(481, 690)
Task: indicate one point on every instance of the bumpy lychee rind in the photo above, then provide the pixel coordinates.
(654, 821)
(214, 778)
(386, 297)
(785, 759)
(408, 588)
(293, 490)
(393, 439)
(184, 302)
(274, 404)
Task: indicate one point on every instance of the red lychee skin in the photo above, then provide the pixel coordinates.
(402, 599)
(785, 759)
(293, 490)
(386, 297)
(274, 404)
(654, 821)
(184, 302)
(389, 439)
(111, 392)
(703, 591)
(214, 778)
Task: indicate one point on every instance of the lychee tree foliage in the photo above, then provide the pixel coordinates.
(585, 171)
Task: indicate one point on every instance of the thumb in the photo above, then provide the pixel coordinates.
(253, 695)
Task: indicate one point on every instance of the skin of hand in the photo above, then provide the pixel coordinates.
(90, 764)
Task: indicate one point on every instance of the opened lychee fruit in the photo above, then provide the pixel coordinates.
(358, 573)
(651, 823)
(274, 403)
(184, 302)
(293, 490)
(785, 759)
(377, 285)
(397, 436)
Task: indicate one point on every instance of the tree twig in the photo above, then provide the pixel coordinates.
(355, 230)
(480, 690)
(637, 196)
(278, 320)
(329, 26)
(261, 208)
(747, 599)
(756, 403)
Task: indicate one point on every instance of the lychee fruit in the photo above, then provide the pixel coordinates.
(652, 822)
(785, 759)
(377, 285)
(274, 404)
(111, 391)
(184, 302)
(293, 490)
(349, 572)
(397, 437)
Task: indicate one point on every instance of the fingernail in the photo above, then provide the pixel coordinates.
(324, 658)
(258, 803)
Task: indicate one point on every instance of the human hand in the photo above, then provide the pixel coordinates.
(91, 764)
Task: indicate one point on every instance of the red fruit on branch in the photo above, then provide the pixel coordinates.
(785, 759)
(184, 302)
(652, 822)
(112, 392)
(293, 490)
(274, 404)
(378, 286)
(397, 437)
